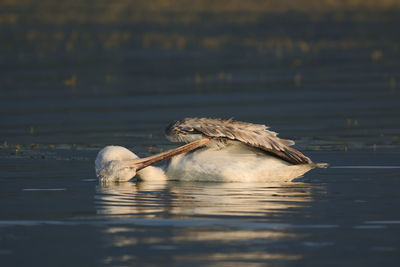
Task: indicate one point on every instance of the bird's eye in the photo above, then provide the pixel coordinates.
(187, 129)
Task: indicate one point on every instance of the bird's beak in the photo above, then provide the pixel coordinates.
(141, 163)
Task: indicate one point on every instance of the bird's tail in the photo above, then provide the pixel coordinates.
(319, 165)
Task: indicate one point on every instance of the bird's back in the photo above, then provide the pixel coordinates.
(253, 135)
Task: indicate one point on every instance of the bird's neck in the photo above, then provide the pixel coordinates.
(152, 173)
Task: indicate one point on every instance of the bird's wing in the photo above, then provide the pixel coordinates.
(255, 135)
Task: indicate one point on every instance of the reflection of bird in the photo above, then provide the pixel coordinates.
(220, 150)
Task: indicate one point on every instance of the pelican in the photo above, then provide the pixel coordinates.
(217, 150)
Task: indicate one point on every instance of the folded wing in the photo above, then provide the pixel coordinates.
(255, 135)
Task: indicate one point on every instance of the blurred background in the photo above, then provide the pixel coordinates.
(90, 73)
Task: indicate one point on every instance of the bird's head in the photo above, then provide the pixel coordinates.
(112, 164)
(118, 164)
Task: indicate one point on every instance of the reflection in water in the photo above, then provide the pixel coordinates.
(187, 205)
(200, 199)
(234, 258)
(130, 198)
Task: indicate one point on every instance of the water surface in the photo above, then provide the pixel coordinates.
(72, 84)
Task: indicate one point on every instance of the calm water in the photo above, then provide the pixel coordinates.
(330, 82)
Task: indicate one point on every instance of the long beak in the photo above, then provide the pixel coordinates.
(144, 162)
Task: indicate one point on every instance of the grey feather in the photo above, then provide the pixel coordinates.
(255, 135)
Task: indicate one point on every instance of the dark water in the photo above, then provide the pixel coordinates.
(330, 82)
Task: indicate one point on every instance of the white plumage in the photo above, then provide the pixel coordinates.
(235, 162)
(112, 164)
(237, 151)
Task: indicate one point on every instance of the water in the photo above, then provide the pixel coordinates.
(329, 82)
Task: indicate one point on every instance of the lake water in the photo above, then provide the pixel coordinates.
(329, 81)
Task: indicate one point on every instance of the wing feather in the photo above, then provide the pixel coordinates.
(255, 135)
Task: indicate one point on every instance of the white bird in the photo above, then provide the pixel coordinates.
(220, 150)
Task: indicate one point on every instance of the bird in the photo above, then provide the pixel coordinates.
(220, 150)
